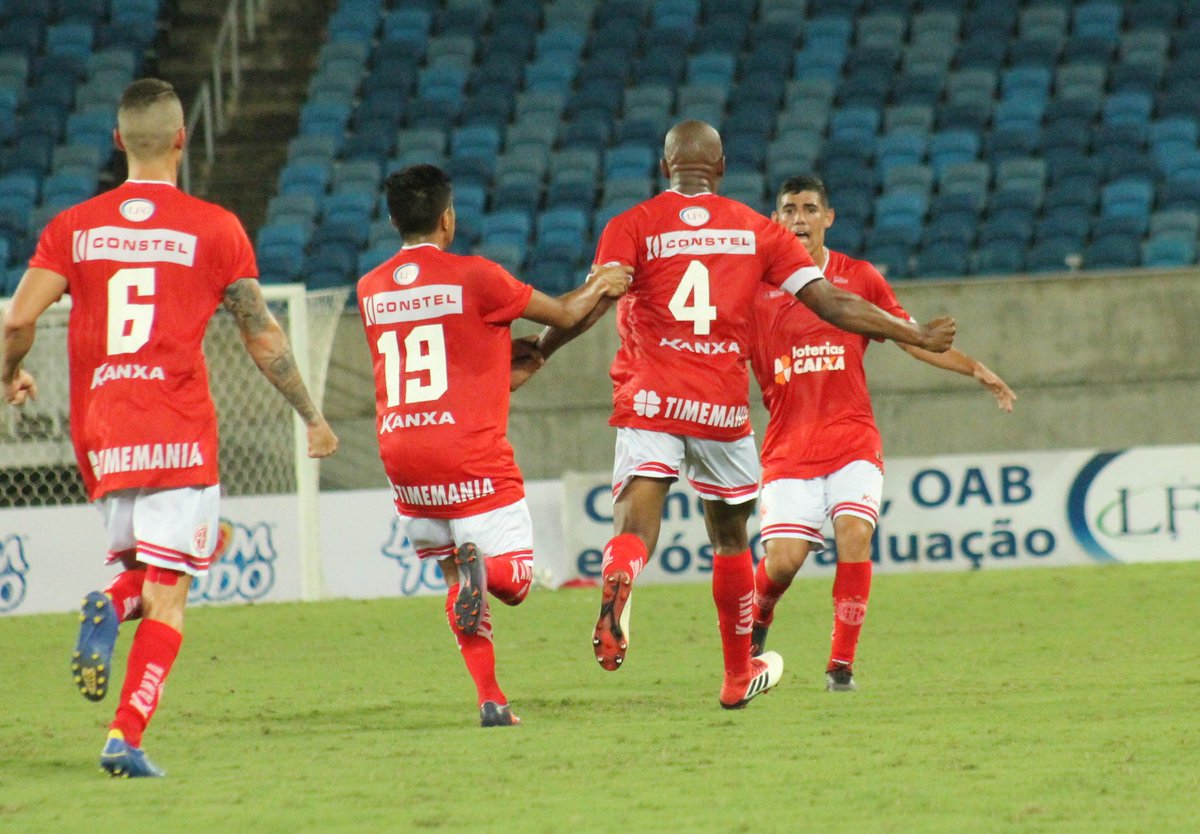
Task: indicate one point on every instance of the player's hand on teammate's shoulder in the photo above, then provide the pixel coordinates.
(21, 388)
(1000, 390)
(938, 335)
(526, 361)
(322, 442)
(614, 278)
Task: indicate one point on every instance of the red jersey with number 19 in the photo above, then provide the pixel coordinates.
(684, 323)
(438, 328)
(146, 266)
(812, 378)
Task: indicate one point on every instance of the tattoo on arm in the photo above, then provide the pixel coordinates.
(268, 346)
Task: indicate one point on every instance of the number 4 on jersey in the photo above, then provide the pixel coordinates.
(694, 286)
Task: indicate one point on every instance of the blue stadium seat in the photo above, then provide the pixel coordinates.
(1169, 250)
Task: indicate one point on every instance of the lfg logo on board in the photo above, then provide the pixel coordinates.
(243, 566)
(13, 568)
(416, 575)
(1138, 505)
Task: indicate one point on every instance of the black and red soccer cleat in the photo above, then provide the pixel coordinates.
(839, 677)
(766, 671)
(472, 588)
(492, 714)
(610, 640)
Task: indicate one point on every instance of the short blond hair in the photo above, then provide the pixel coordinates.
(148, 118)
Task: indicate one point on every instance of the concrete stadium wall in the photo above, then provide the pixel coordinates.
(1096, 361)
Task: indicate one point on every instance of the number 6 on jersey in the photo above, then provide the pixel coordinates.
(694, 284)
(424, 350)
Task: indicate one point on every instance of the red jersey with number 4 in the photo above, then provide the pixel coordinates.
(438, 328)
(812, 378)
(146, 266)
(684, 323)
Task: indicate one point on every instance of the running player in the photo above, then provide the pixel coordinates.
(438, 329)
(680, 388)
(822, 456)
(146, 267)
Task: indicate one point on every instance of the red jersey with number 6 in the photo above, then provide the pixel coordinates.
(146, 266)
(684, 323)
(438, 328)
(812, 378)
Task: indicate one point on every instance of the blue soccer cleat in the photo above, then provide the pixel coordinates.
(93, 650)
(120, 759)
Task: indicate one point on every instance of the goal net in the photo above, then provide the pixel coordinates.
(263, 443)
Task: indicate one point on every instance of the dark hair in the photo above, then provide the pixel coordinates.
(803, 182)
(146, 91)
(416, 198)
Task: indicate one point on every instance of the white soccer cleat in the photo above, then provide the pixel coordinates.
(767, 669)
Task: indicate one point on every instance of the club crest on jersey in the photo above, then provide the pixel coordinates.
(405, 274)
(695, 215)
(137, 210)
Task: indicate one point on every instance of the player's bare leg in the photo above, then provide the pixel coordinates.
(155, 647)
(782, 559)
(637, 517)
(851, 589)
(733, 593)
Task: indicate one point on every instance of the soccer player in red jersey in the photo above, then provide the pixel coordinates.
(438, 326)
(680, 387)
(822, 456)
(146, 267)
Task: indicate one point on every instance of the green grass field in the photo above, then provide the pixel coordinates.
(1019, 701)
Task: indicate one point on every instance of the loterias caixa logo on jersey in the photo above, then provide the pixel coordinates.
(243, 566)
(1138, 505)
(416, 575)
(13, 568)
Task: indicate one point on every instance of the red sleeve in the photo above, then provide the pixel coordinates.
(502, 298)
(785, 259)
(618, 243)
(53, 248)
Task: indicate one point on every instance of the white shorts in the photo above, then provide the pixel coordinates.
(175, 529)
(507, 531)
(718, 470)
(794, 508)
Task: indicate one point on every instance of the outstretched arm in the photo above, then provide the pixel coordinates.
(850, 312)
(957, 361)
(39, 288)
(268, 346)
(604, 283)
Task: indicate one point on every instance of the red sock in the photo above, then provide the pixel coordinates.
(733, 592)
(624, 553)
(126, 593)
(851, 587)
(477, 652)
(155, 646)
(509, 577)
(766, 594)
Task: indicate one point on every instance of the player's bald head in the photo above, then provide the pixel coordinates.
(149, 118)
(693, 159)
(692, 142)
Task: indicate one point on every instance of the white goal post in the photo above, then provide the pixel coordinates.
(264, 447)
